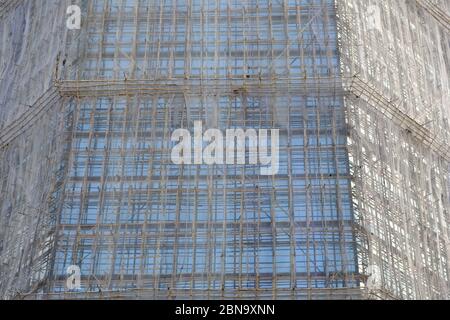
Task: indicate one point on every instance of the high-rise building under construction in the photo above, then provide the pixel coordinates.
(358, 89)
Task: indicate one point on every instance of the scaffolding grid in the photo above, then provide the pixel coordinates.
(359, 208)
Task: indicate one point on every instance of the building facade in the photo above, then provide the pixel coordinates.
(357, 89)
